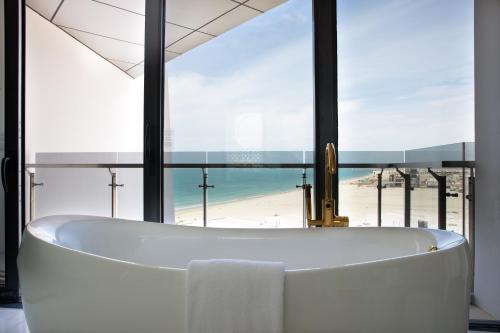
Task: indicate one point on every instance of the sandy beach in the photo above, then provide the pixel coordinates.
(285, 210)
(282, 210)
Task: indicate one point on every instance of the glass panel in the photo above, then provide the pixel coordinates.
(425, 206)
(239, 91)
(256, 198)
(273, 191)
(451, 152)
(393, 199)
(468, 203)
(405, 79)
(86, 190)
(406, 94)
(187, 195)
(84, 104)
(358, 196)
(455, 203)
(424, 200)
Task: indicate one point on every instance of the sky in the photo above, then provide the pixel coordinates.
(405, 75)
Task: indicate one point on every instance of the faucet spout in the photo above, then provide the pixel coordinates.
(328, 219)
(330, 169)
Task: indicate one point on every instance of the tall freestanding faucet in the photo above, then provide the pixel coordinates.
(328, 219)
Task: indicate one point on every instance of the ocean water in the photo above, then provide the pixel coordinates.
(234, 184)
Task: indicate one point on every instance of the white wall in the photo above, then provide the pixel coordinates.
(80, 108)
(487, 91)
(75, 100)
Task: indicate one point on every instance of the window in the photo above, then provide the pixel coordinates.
(243, 96)
(406, 95)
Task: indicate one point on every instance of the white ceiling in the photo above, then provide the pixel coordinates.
(114, 29)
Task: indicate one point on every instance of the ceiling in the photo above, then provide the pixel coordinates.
(114, 29)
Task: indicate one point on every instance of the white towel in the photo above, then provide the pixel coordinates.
(234, 296)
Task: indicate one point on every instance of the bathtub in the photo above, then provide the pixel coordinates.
(94, 274)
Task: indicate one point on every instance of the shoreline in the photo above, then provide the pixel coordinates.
(213, 203)
(285, 209)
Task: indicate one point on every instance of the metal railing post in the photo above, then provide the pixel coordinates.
(379, 198)
(463, 201)
(113, 185)
(303, 187)
(472, 220)
(32, 196)
(407, 179)
(441, 199)
(463, 190)
(33, 184)
(205, 188)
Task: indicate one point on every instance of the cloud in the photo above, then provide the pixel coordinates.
(430, 116)
(265, 105)
(411, 65)
(350, 105)
(405, 81)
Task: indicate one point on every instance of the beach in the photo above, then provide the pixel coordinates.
(285, 209)
(281, 210)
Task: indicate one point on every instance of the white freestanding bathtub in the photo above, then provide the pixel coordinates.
(89, 274)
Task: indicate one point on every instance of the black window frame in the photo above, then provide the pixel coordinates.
(325, 102)
(13, 162)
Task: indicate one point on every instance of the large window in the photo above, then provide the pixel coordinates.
(406, 95)
(244, 96)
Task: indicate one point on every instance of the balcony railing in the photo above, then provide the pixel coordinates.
(435, 169)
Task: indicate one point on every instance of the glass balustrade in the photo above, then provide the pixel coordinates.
(203, 189)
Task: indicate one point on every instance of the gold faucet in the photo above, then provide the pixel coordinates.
(329, 219)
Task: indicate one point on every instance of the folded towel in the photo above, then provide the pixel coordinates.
(234, 296)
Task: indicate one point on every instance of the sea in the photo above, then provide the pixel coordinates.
(235, 184)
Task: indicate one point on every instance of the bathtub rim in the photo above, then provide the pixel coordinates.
(448, 247)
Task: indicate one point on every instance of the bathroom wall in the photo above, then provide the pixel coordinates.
(487, 120)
